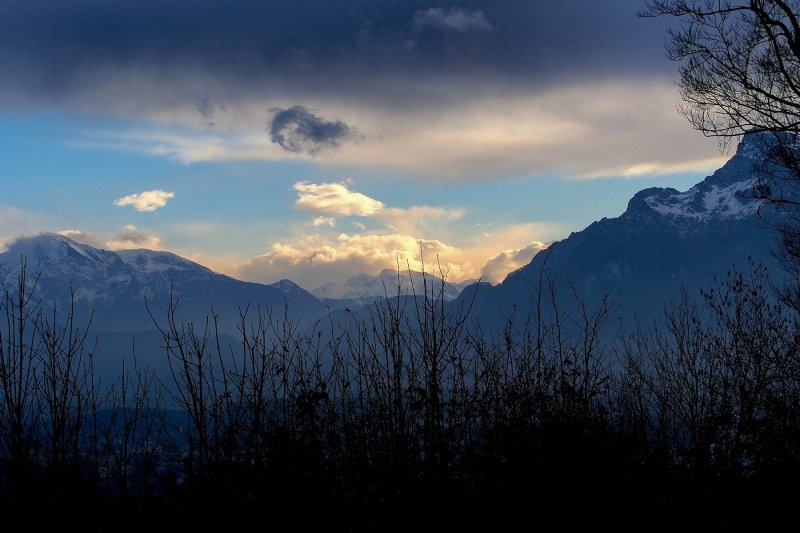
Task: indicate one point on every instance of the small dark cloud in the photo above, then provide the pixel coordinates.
(205, 107)
(298, 130)
(454, 19)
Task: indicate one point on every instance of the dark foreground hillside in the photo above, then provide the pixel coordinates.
(413, 418)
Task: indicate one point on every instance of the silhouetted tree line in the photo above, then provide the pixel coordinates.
(414, 409)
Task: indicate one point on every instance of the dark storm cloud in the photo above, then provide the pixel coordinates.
(298, 130)
(59, 52)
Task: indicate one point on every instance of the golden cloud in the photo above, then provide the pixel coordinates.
(147, 201)
(334, 200)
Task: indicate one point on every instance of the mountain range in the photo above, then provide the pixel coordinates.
(665, 241)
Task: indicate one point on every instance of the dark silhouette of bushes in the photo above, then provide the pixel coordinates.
(408, 408)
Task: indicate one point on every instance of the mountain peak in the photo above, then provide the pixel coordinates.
(286, 286)
(726, 194)
(51, 248)
(757, 146)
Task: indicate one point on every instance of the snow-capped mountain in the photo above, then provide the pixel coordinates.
(705, 201)
(725, 195)
(388, 281)
(665, 240)
(114, 285)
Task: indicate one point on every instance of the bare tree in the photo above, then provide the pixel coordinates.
(19, 349)
(740, 63)
(64, 379)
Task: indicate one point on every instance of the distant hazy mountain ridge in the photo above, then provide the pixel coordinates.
(388, 281)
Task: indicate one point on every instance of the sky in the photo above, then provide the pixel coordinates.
(315, 140)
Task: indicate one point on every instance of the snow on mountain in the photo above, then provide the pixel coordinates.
(63, 265)
(703, 202)
(54, 250)
(726, 194)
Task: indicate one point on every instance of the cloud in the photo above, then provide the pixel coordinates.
(406, 234)
(607, 128)
(313, 259)
(520, 100)
(15, 222)
(334, 200)
(419, 218)
(147, 201)
(455, 19)
(14, 219)
(132, 237)
(664, 167)
(331, 200)
(183, 144)
(128, 238)
(584, 90)
(298, 130)
(84, 237)
(324, 221)
(498, 266)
